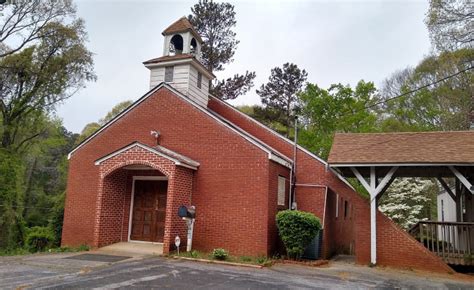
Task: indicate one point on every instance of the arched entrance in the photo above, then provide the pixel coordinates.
(141, 188)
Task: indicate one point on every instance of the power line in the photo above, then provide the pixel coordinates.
(419, 88)
(400, 96)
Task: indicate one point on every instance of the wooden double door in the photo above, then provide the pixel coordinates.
(149, 210)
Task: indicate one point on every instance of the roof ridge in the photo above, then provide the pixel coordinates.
(180, 25)
(273, 154)
(404, 133)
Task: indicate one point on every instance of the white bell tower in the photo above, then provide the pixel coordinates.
(180, 65)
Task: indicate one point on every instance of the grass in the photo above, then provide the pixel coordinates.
(14, 252)
(24, 251)
(260, 260)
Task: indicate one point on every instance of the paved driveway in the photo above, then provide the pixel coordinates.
(54, 271)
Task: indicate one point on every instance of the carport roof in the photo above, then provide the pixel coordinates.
(449, 148)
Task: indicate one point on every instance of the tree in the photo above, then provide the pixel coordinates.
(281, 92)
(35, 79)
(214, 22)
(25, 22)
(443, 106)
(338, 109)
(265, 115)
(407, 201)
(43, 61)
(91, 128)
(46, 173)
(231, 88)
(11, 199)
(451, 24)
(117, 109)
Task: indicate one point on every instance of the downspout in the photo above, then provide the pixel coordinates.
(291, 187)
(293, 204)
(325, 203)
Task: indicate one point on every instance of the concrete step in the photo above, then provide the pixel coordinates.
(133, 249)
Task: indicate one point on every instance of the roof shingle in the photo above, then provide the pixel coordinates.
(453, 147)
(181, 25)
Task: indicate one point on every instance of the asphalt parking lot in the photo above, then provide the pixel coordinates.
(59, 271)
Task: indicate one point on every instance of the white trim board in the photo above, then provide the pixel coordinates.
(397, 164)
(189, 60)
(195, 105)
(272, 131)
(137, 144)
(132, 198)
(339, 176)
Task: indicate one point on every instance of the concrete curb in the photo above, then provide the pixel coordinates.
(219, 262)
(315, 263)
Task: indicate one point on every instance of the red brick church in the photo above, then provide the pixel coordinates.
(177, 145)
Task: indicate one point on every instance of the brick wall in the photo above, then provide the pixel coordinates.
(230, 188)
(342, 234)
(275, 245)
(112, 211)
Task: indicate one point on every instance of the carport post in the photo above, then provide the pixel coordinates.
(374, 189)
(373, 217)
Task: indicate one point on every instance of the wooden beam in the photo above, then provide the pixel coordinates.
(373, 216)
(374, 188)
(446, 187)
(386, 181)
(463, 179)
(361, 179)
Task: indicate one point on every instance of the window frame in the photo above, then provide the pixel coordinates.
(346, 209)
(199, 79)
(281, 191)
(168, 73)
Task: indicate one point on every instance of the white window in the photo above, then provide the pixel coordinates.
(281, 190)
(199, 80)
(337, 205)
(169, 71)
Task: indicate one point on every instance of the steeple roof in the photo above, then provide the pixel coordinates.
(182, 25)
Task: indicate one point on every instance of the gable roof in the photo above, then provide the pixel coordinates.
(178, 159)
(272, 153)
(181, 25)
(403, 148)
(270, 130)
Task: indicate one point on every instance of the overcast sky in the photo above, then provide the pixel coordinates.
(334, 41)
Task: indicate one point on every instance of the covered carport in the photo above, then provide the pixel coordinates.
(376, 159)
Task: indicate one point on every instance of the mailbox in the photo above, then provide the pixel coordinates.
(187, 212)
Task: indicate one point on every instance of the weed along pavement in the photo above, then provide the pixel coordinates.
(69, 271)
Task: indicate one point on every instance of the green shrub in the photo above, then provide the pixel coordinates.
(39, 238)
(262, 260)
(194, 254)
(56, 219)
(220, 254)
(297, 229)
(246, 259)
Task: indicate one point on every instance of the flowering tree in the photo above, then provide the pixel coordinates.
(407, 201)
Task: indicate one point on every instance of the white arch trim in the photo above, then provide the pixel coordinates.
(191, 164)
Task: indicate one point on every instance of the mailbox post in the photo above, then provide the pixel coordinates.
(188, 214)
